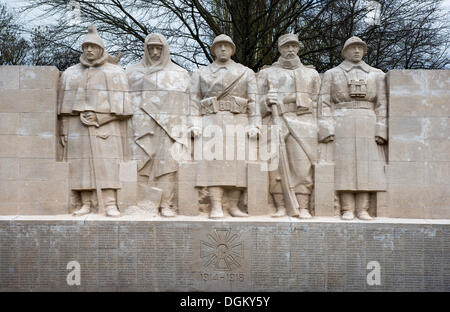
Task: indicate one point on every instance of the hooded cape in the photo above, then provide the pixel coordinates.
(97, 86)
(161, 90)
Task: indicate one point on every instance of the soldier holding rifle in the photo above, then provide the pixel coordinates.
(289, 92)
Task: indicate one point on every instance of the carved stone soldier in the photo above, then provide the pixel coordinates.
(223, 96)
(161, 89)
(293, 88)
(93, 99)
(352, 111)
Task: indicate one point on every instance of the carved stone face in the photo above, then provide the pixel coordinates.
(92, 51)
(223, 51)
(155, 51)
(289, 50)
(354, 53)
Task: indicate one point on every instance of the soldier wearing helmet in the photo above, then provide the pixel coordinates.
(352, 112)
(94, 94)
(223, 97)
(293, 88)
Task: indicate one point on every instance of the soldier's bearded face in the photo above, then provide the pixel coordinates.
(289, 50)
(154, 51)
(354, 53)
(223, 51)
(92, 52)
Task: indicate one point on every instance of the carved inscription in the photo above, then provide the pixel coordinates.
(222, 253)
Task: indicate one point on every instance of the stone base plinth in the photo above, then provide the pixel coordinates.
(139, 253)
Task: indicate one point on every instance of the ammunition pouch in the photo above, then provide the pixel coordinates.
(234, 104)
(299, 103)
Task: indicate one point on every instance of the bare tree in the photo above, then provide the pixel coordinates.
(45, 51)
(411, 33)
(13, 47)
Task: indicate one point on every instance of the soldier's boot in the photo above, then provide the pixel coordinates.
(362, 206)
(86, 201)
(303, 202)
(167, 211)
(233, 199)
(167, 184)
(279, 204)
(348, 205)
(109, 198)
(215, 198)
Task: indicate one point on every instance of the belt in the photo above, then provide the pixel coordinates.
(225, 105)
(292, 108)
(355, 105)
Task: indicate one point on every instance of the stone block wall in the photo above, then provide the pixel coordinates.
(419, 144)
(182, 255)
(31, 181)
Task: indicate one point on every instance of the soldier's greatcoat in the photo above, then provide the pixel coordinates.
(297, 88)
(160, 93)
(237, 108)
(352, 107)
(99, 87)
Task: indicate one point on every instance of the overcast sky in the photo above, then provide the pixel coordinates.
(18, 3)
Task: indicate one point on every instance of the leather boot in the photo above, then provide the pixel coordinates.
(303, 202)
(86, 197)
(167, 211)
(109, 198)
(348, 205)
(215, 198)
(362, 206)
(233, 197)
(167, 184)
(279, 203)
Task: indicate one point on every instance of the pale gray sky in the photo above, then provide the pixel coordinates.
(19, 3)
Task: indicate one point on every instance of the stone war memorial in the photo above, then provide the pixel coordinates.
(152, 178)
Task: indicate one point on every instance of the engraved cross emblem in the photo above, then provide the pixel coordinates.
(222, 251)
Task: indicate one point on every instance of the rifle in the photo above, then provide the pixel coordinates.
(286, 185)
(94, 163)
(94, 166)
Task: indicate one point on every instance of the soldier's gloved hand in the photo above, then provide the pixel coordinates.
(272, 99)
(63, 140)
(328, 139)
(89, 119)
(380, 140)
(253, 132)
(196, 131)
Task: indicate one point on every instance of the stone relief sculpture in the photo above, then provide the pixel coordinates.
(289, 98)
(93, 99)
(223, 95)
(160, 89)
(352, 110)
(97, 103)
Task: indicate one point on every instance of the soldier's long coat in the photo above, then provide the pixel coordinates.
(216, 168)
(100, 87)
(359, 162)
(160, 94)
(298, 86)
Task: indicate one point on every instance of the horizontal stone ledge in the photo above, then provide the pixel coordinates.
(258, 254)
(204, 219)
